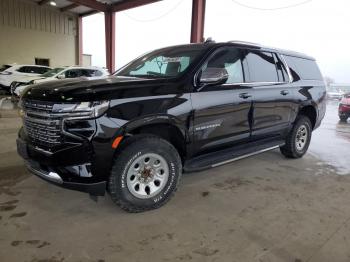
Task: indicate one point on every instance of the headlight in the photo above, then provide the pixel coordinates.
(82, 110)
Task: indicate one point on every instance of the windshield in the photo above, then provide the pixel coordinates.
(52, 72)
(163, 63)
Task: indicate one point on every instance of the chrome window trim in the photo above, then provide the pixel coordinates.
(290, 77)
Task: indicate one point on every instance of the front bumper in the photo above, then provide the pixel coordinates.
(96, 189)
(58, 170)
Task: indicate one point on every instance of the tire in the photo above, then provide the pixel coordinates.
(343, 118)
(298, 139)
(138, 185)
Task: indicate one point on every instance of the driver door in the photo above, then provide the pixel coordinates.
(221, 111)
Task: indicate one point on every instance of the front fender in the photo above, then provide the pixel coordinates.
(154, 120)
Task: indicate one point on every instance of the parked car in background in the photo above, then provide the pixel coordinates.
(57, 73)
(334, 93)
(16, 72)
(4, 67)
(344, 108)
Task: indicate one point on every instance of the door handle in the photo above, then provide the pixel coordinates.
(244, 95)
(284, 92)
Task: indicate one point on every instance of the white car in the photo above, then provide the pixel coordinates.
(17, 72)
(17, 87)
(335, 94)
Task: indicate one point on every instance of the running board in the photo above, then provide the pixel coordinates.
(227, 156)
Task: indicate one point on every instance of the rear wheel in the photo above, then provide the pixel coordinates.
(343, 118)
(298, 139)
(145, 174)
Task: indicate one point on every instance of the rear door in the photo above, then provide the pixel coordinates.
(221, 112)
(273, 96)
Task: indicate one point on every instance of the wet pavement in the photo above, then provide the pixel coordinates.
(331, 142)
(265, 208)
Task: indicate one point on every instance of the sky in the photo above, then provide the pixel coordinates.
(318, 28)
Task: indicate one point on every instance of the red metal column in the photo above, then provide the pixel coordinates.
(110, 40)
(198, 17)
(80, 40)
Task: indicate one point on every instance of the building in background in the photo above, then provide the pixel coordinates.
(33, 34)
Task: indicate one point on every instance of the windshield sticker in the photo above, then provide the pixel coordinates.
(171, 59)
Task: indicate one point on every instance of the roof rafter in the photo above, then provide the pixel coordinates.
(69, 7)
(122, 6)
(98, 6)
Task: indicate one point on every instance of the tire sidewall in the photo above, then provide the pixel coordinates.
(302, 121)
(134, 151)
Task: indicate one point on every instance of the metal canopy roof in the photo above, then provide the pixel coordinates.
(110, 7)
(87, 7)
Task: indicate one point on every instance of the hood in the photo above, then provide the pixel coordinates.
(27, 79)
(84, 90)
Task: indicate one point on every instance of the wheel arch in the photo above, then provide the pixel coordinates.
(166, 127)
(309, 111)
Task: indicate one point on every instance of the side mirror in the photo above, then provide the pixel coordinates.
(62, 76)
(213, 76)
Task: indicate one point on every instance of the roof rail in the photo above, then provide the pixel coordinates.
(245, 43)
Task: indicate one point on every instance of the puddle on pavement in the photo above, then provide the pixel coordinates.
(331, 142)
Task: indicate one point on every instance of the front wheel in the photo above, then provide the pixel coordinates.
(145, 174)
(298, 139)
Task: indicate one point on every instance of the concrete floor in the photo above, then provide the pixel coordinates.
(265, 208)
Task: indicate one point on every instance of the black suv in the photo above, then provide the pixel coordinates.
(181, 108)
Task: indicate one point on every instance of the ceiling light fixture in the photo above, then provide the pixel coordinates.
(53, 3)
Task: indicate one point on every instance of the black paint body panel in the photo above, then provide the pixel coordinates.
(208, 120)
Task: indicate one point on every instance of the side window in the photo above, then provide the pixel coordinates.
(302, 68)
(262, 67)
(39, 70)
(97, 73)
(229, 59)
(87, 73)
(72, 73)
(23, 69)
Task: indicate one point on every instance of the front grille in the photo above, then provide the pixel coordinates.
(38, 106)
(41, 125)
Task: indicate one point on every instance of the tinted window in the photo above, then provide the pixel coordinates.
(231, 60)
(23, 69)
(262, 67)
(303, 68)
(39, 70)
(91, 73)
(87, 73)
(73, 73)
(33, 69)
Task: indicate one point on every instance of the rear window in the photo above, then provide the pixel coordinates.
(302, 68)
(33, 69)
(262, 67)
